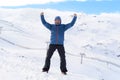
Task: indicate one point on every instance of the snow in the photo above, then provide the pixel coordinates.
(23, 44)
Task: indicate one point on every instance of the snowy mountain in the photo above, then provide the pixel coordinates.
(24, 40)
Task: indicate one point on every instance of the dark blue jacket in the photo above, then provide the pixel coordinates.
(57, 31)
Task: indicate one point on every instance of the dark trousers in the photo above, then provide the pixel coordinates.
(61, 51)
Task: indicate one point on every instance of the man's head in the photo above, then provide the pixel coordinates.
(57, 20)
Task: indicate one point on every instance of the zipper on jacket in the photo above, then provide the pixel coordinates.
(56, 34)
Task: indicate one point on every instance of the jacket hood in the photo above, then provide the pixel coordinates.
(58, 18)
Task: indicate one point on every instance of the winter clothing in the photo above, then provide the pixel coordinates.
(61, 51)
(57, 31)
(57, 42)
(57, 18)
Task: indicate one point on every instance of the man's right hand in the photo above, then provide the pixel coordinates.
(42, 13)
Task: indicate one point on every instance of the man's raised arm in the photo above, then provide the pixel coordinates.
(46, 24)
(69, 25)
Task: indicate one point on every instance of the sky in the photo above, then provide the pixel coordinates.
(87, 6)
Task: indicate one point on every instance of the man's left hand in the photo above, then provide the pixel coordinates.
(75, 14)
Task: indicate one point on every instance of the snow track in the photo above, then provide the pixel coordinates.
(12, 43)
(108, 62)
(9, 26)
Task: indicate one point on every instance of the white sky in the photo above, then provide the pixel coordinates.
(25, 2)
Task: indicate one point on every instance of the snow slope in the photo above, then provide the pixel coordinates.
(24, 40)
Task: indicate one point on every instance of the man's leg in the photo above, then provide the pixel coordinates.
(61, 52)
(50, 52)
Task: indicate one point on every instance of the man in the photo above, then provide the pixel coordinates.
(57, 41)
